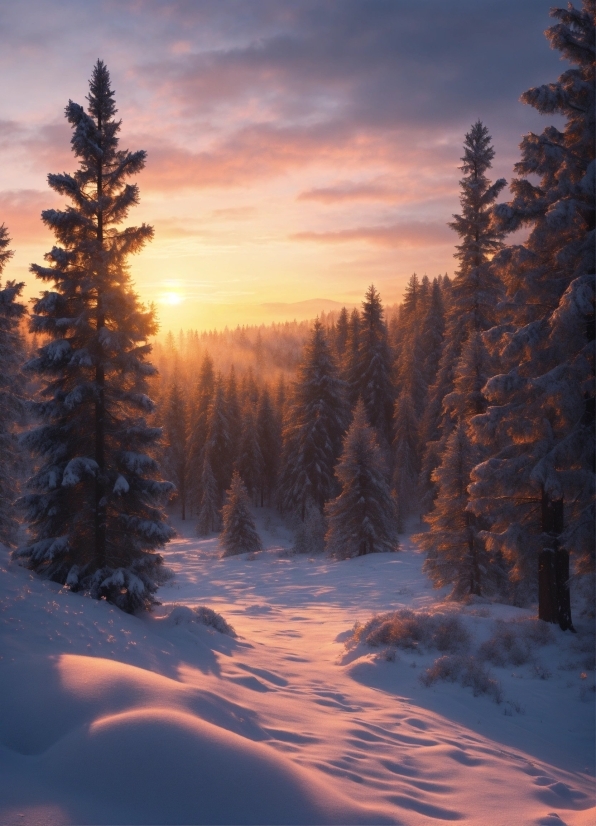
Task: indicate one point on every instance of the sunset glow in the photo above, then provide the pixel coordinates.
(295, 151)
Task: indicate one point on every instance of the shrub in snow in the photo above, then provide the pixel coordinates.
(513, 643)
(184, 615)
(467, 671)
(94, 505)
(362, 518)
(239, 533)
(414, 630)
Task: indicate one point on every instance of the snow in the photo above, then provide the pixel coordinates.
(110, 718)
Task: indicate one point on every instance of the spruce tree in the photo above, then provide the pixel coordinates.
(456, 554)
(209, 505)
(406, 459)
(94, 509)
(314, 429)
(374, 380)
(250, 463)
(199, 426)
(11, 393)
(465, 365)
(537, 489)
(176, 451)
(362, 518)
(269, 440)
(350, 367)
(239, 533)
(342, 329)
(219, 441)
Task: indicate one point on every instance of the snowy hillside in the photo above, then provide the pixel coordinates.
(109, 718)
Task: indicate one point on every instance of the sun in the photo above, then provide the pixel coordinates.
(171, 298)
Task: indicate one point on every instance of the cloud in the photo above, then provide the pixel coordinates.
(21, 211)
(402, 234)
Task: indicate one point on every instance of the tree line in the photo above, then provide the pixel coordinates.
(473, 406)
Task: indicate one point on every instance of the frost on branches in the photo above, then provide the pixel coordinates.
(537, 490)
(239, 533)
(11, 390)
(94, 506)
(362, 518)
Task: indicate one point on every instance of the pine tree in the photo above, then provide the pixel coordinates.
(219, 440)
(269, 440)
(314, 429)
(537, 489)
(362, 518)
(374, 380)
(176, 451)
(464, 368)
(94, 508)
(209, 505)
(199, 425)
(250, 463)
(476, 289)
(456, 554)
(11, 393)
(233, 416)
(406, 459)
(350, 368)
(342, 330)
(239, 533)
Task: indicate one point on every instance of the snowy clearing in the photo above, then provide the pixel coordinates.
(108, 718)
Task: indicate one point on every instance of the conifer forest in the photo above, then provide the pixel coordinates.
(333, 563)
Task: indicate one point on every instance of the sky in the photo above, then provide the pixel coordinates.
(297, 149)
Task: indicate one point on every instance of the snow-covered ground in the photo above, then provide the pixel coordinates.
(108, 718)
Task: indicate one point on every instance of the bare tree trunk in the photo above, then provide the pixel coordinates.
(553, 567)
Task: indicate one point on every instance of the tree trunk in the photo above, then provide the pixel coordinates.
(553, 567)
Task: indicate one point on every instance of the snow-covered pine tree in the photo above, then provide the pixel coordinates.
(11, 393)
(209, 505)
(233, 416)
(219, 442)
(350, 369)
(176, 458)
(476, 289)
(537, 489)
(374, 380)
(362, 518)
(94, 509)
(463, 371)
(314, 429)
(199, 425)
(250, 463)
(342, 329)
(269, 439)
(406, 459)
(432, 333)
(239, 533)
(456, 554)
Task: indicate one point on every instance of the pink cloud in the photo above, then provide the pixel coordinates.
(411, 234)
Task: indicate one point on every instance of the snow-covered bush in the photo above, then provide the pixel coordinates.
(513, 643)
(184, 615)
(468, 671)
(413, 630)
